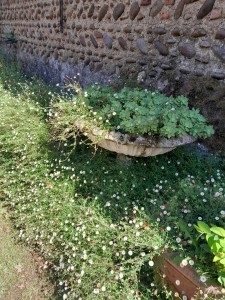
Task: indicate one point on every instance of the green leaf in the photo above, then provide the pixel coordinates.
(218, 230)
(203, 227)
(222, 261)
(216, 258)
(216, 247)
(222, 243)
(210, 239)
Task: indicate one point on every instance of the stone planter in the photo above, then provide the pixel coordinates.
(185, 281)
(137, 146)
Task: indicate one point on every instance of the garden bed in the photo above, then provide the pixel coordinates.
(97, 225)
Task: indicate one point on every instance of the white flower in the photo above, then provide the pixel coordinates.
(151, 263)
(168, 228)
(130, 252)
(191, 262)
(184, 262)
(177, 282)
(203, 278)
(114, 113)
(103, 288)
(96, 291)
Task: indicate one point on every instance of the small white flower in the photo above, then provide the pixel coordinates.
(168, 228)
(103, 288)
(184, 262)
(96, 291)
(151, 263)
(191, 262)
(64, 296)
(203, 278)
(177, 282)
(130, 252)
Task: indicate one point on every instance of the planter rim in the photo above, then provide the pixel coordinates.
(138, 140)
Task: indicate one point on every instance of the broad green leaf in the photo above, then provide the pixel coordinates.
(210, 239)
(216, 258)
(222, 243)
(218, 230)
(216, 247)
(222, 261)
(203, 227)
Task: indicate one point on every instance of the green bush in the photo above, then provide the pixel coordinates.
(134, 111)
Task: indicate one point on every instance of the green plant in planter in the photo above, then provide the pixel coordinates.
(133, 111)
(215, 237)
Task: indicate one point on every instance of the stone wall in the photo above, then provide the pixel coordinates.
(177, 46)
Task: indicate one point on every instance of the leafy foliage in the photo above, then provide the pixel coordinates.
(137, 112)
(215, 237)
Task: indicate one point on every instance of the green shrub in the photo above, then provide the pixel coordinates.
(133, 111)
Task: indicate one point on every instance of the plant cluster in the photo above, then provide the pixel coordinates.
(91, 255)
(97, 224)
(215, 237)
(133, 111)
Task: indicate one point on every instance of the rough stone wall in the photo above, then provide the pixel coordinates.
(145, 35)
(174, 45)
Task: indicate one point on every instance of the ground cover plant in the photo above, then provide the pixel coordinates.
(20, 277)
(97, 224)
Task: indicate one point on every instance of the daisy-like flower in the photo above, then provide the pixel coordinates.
(203, 278)
(151, 263)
